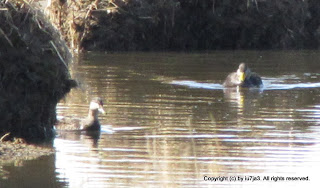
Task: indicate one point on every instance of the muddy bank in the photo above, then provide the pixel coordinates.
(189, 25)
(15, 151)
(33, 73)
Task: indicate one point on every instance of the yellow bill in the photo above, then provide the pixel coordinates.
(242, 76)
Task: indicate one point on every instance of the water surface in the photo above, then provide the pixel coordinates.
(170, 123)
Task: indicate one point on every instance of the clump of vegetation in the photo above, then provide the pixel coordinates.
(33, 73)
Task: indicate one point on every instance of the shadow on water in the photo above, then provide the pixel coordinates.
(32, 173)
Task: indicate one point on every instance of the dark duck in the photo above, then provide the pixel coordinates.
(243, 78)
(90, 123)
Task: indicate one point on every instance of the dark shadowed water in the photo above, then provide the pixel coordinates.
(170, 123)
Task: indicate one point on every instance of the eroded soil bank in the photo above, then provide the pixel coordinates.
(118, 25)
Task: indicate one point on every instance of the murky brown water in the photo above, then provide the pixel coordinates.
(170, 123)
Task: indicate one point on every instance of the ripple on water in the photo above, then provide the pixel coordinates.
(285, 82)
(165, 136)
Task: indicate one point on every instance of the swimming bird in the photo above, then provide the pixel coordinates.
(90, 123)
(243, 78)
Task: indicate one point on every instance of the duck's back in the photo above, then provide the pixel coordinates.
(68, 124)
(87, 124)
(253, 81)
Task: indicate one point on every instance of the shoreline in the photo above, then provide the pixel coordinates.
(16, 151)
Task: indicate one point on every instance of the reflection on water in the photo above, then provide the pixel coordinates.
(170, 123)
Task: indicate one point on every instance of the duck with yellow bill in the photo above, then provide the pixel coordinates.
(243, 77)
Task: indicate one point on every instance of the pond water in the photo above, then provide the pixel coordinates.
(170, 123)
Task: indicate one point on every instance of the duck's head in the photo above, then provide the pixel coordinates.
(96, 105)
(242, 72)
